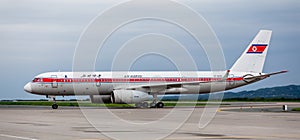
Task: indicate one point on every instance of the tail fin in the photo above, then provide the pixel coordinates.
(253, 58)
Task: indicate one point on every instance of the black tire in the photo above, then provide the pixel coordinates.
(145, 105)
(138, 105)
(160, 105)
(54, 106)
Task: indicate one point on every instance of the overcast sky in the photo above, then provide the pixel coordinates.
(39, 36)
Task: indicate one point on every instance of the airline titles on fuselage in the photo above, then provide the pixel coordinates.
(133, 76)
(90, 75)
(99, 75)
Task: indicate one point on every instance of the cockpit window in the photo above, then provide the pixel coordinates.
(37, 80)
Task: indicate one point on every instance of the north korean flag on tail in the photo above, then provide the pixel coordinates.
(257, 48)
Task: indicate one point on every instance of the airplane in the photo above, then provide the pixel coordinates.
(135, 87)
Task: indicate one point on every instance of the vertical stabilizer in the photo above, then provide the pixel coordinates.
(253, 58)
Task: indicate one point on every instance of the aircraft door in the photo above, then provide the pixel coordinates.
(98, 84)
(232, 81)
(98, 81)
(54, 82)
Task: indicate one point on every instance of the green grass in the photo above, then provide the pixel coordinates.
(64, 103)
(39, 103)
(182, 104)
(189, 104)
(296, 109)
(89, 104)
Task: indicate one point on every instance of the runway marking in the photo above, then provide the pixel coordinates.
(235, 137)
(214, 137)
(17, 137)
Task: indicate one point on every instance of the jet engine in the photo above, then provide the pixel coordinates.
(128, 96)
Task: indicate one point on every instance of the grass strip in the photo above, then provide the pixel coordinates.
(296, 109)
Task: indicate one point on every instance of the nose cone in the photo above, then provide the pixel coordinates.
(27, 87)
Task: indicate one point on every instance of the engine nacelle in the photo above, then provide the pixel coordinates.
(100, 98)
(129, 96)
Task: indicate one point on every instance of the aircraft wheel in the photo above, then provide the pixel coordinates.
(138, 105)
(152, 105)
(54, 106)
(145, 105)
(160, 105)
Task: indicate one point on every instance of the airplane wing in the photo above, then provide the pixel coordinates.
(157, 87)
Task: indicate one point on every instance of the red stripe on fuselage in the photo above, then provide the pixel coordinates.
(130, 80)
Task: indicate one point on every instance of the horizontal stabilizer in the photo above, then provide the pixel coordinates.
(263, 76)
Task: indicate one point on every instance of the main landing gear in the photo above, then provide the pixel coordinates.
(142, 105)
(160, 105)
(153, 104)
(156, 104)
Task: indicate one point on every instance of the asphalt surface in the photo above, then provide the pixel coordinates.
(237, 121)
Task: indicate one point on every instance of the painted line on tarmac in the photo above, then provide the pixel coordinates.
(16, 137)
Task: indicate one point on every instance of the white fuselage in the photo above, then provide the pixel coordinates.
(103, 83)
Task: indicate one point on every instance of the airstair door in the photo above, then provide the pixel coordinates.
(231, 81)
(54, 82)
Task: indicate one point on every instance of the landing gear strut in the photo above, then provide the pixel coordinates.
(54, 105)
(156, 104)
(152, 105)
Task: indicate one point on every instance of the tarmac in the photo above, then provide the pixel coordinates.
(236, 121)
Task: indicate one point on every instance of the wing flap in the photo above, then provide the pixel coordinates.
(155, 87)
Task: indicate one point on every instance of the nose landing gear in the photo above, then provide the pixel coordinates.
(54, 105)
